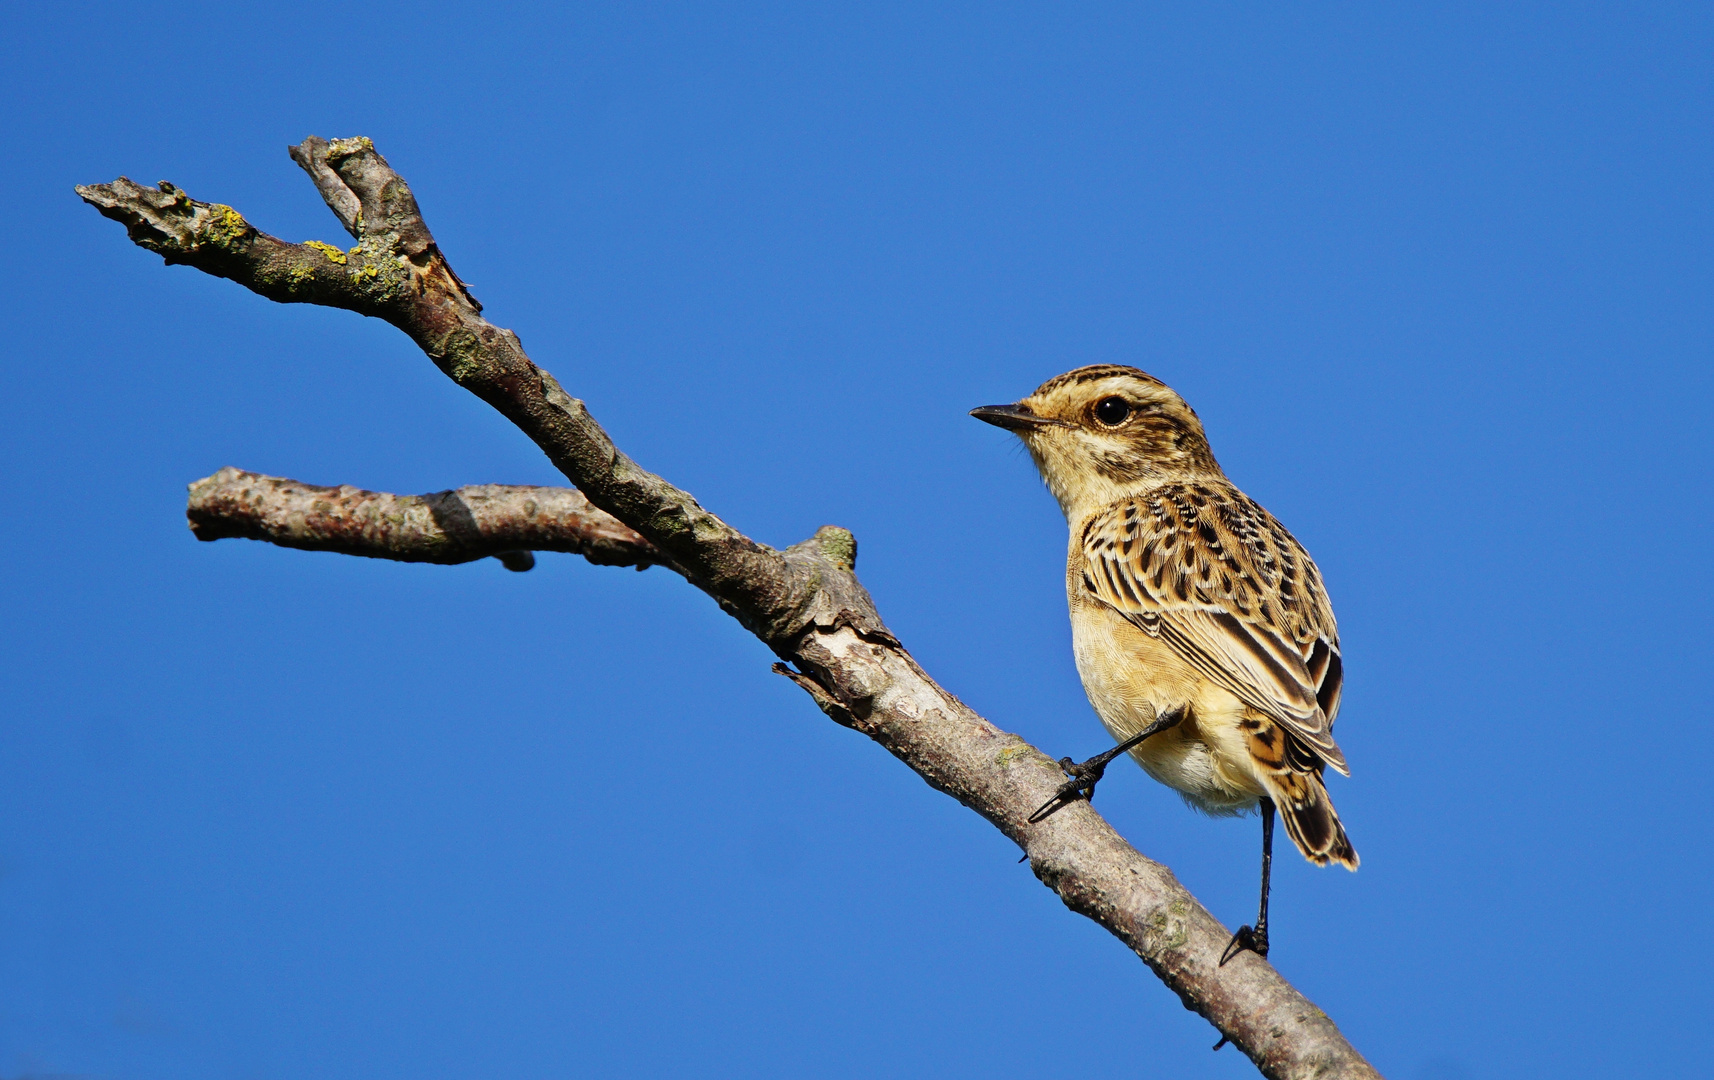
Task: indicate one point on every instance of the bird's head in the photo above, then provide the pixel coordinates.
(1104, 432)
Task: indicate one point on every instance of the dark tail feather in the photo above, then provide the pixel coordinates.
(1311, 821)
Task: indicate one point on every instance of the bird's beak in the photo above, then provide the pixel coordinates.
(1017, 418)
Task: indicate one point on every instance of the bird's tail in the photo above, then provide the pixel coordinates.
(1291, 774)
(1310, 819)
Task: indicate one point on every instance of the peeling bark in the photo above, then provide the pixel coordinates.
(805, 602)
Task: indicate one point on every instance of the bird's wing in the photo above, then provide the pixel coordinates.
(1208, 571)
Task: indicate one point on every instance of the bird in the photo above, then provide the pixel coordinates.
(1201, 628)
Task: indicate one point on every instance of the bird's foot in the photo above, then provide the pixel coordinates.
(1081, 786)
(1246, 939)
(1085, 774)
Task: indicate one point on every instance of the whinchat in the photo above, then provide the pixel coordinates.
(1201, 628)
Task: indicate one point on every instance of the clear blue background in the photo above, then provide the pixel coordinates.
(1436, 278)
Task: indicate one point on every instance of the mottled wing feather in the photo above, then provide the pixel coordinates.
(1211, 573)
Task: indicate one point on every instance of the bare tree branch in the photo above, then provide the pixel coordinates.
(476, 522)
(804, 602)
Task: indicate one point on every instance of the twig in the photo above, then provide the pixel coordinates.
(475, 522)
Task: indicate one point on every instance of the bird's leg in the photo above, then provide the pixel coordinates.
(1086, 774)
(1256, 938)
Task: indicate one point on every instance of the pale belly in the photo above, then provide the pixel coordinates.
(1131, 677)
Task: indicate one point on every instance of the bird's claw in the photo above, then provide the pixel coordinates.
(1084, 776)
(1246, 940)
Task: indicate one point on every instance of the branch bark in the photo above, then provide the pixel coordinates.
(805, 602)
(476, 522)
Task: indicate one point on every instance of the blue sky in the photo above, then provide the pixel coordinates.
(1436, 278)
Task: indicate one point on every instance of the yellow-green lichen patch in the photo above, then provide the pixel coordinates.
(460, 355)
(670, 521)
(297, 275)
(367, 273)
(333, 254)
(344, 148)
(1010, 754)
(463, 367)
(226, 225)
(838, 545)
(1171, 927)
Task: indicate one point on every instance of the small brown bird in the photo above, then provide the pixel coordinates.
(1201, 628)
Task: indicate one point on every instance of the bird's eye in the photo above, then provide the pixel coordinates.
(1112, 411)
